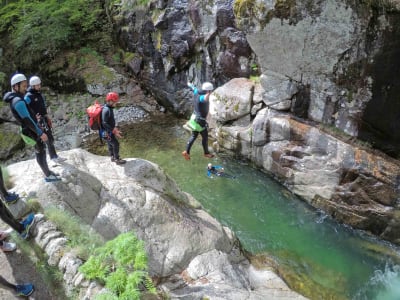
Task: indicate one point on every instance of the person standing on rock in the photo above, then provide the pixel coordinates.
(37, 103)
(31, 132)
(108, 130)
(198, 123)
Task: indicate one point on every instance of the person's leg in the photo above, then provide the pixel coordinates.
(41, 158)
(114, 147)
(191, 141)
(110, 149)
(50, 145)
(186, 153)
(3, 190)
(204, 140)
(20, 289)
(9, 219)
(4, 194)
(7, 284)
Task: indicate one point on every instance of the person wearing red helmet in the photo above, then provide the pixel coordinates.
(109, 131)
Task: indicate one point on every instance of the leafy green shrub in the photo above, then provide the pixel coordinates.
(121, 265)
(41, 29)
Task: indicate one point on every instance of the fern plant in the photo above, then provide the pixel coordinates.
(120, 265)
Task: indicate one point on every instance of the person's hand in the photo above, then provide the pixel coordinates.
(117, 132)
(44, 137)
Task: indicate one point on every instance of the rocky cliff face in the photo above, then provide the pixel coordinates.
(322, 64)
(330, 61)
(356, 185)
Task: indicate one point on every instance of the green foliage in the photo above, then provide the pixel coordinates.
(120, 264)
(41, 29)
(255, 79)
(80, 236)
(128, 57)
(130, 4)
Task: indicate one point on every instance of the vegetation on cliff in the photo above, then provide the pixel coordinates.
(35, 33)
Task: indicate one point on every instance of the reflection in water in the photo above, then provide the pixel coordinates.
(317, 256)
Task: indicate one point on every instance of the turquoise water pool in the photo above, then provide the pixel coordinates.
(319, 257)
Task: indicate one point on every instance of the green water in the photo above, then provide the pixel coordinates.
(318, 257)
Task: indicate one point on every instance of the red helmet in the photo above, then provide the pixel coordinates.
(112, 96)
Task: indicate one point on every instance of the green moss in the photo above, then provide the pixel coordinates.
(243, 9)
(157, 37)
(128, 57)
(155, 14)
(220, 98)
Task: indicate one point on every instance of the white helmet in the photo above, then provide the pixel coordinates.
(17, 78)
(34, 80)
(207, 86)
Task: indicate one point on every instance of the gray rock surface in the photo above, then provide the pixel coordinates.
(354, 184)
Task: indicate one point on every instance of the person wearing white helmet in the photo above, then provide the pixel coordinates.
(37, 103)
(30, 130)
(198, 122)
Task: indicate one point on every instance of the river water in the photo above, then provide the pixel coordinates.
(317, 256)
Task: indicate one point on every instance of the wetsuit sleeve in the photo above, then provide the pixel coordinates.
(202, 98)
(27, 99)
(22, 111)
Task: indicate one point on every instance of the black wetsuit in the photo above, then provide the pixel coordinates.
(106, 131)
(27, 119)
(201, 108)
(37, 103)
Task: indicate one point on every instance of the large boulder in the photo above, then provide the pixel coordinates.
(356, 185)
(193, 253)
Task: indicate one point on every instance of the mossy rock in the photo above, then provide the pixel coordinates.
(10, 140)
